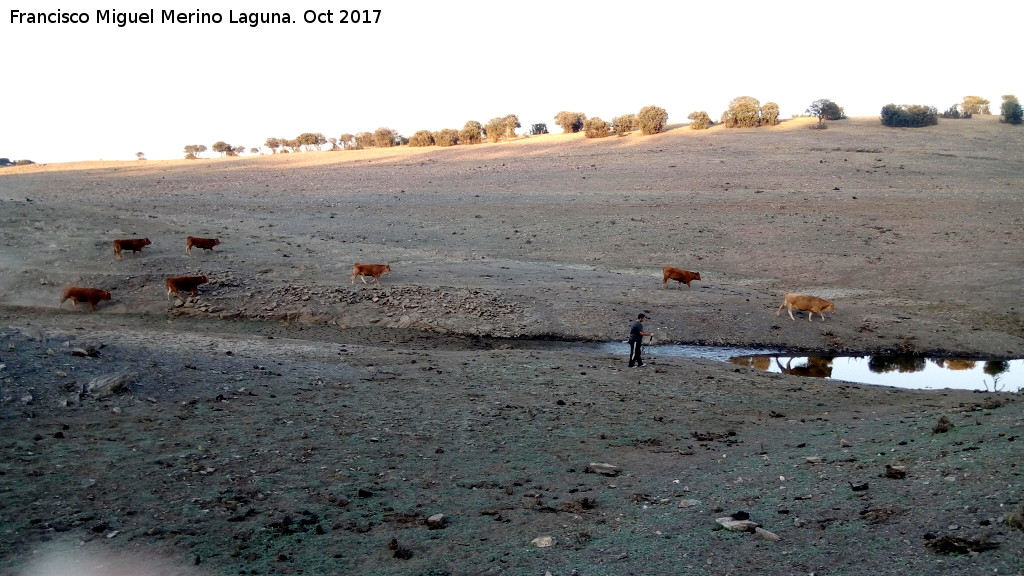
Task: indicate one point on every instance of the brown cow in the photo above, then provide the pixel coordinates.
(816, 367)
(812, 304)
(375, 270)
(204, 243)
(683, 276)
(188, 284)
(133, 244)
(78, 294)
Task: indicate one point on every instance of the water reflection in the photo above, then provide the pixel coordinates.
(915, 372)
(903, 371)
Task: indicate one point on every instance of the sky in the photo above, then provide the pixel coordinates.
(96, 90)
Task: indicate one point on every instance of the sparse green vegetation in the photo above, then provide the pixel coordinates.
(909, 115)
(699, 120)
(363, 140)
(953, 113)
(770, 114)
(446, 137)
(421, 138)
(1010, 110)
(651, 119)
(385, 137)
(311, 140)
(471, 133)
(192, 151)
(624, 124)
(570, 121)
(743, 112)
(975, 105)
(501, 128)
(596, 128)
(825, 109)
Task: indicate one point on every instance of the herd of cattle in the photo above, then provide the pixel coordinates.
(804, 302)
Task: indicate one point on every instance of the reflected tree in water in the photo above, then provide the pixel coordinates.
(996, 367)
(759, 361)
(956, 363)
(903, 364)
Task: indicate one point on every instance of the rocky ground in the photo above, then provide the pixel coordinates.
(288, 421)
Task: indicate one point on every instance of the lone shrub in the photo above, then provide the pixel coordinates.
(471, 133)
(743, 112)
(1011, 110)
(942, 426)
(699, 120)
(624, 124)
(596, 128)
(363, 140)
(384, 137)
(494, 129)
(570, 121)
(825, 109)
(421, 138)
(503, 127)
(770, 114)
(975, 105)
(446, 137)
(909, 116)
(651, 119)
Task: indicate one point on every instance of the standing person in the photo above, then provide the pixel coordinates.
(636, 340)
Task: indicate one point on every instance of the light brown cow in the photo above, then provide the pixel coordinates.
(204, 243)
(78, 294)
(815, 367)
(812, 304)
(188, 284)
(683, 276)
(133, 244)
(375, 270)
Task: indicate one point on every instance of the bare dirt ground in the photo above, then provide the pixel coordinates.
(285, 421)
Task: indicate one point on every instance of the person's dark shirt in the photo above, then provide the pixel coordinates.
(635, 330)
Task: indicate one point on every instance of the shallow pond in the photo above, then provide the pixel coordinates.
(916, 372)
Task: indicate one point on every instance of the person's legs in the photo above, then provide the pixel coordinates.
(639, 349)
(633, 349)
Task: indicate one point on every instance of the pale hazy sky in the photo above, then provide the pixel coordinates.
(99, 91)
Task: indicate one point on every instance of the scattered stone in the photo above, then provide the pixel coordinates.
(110, 384)
(543, 541)
(813, 459)
(766, 534)
(729, 523)
(895, 472)
(602, 468)
(437, 521)
(688, 503)
(858, 487)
